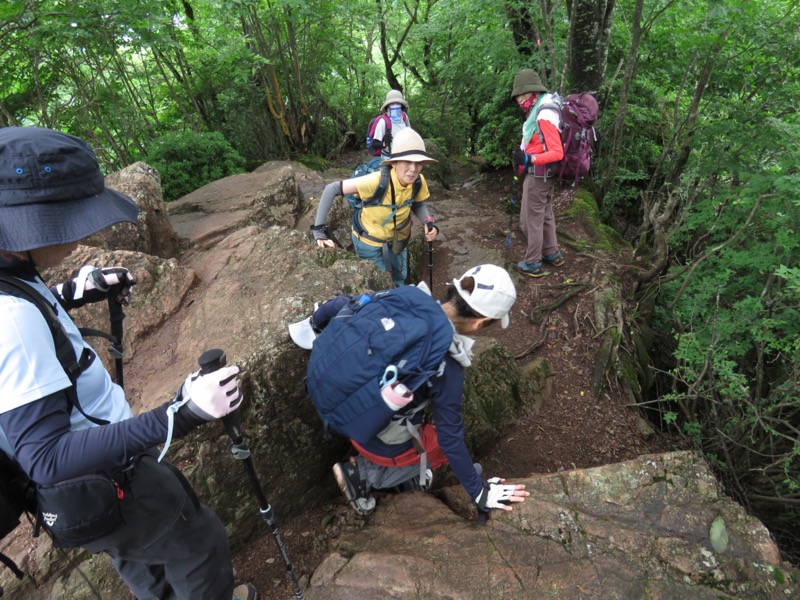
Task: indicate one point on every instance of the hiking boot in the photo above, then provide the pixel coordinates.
(353, 488)
(412, 485)
(554, 259)
(245, 591)
(531, 269)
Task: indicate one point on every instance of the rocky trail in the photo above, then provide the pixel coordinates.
(571, 428)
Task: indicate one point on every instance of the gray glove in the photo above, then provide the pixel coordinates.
(320, 232)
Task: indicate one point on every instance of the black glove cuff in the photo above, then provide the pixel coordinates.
(483, 497)
(65, 298)
(185, 421)
(323, 227)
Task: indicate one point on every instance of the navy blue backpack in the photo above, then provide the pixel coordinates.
(403, 327)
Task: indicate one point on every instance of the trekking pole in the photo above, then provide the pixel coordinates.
(515, 186)
(429, 221)
(115, 349)
(430, 264)
(209, 361)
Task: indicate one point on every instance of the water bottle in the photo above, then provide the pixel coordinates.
(394, 393)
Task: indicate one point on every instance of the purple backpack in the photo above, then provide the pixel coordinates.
(578, 116)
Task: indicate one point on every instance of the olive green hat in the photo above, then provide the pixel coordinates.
(527, 80)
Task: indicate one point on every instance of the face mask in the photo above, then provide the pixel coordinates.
(528, 104)
(395, 113)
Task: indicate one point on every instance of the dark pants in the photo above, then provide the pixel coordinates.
(170, 547)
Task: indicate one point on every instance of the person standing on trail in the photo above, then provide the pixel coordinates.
(382, 221)
(72, 431)
(391, 120)
(539, 149)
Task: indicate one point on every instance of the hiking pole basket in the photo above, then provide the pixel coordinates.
(211, 360)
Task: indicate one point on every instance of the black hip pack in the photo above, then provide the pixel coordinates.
(78, 511)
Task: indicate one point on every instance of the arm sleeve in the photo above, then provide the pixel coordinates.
(331, 191)
(49, 452)
(420, 210)
(446, 404)
(552, 140)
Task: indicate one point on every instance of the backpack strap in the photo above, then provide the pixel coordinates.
(65, 352)
(376, 199)
(548, 101)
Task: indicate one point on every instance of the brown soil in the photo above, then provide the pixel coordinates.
(571, 429)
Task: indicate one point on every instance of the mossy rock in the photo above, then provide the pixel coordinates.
(496, 392)
(584, 210)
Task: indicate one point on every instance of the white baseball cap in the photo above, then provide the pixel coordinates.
(494, 293)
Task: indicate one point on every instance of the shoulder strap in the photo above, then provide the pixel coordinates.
(65, 352)
(548, 101)
(380, 191)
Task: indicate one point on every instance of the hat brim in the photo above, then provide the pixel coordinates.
(303, 334)
(413, 156)
(38, 225)
(401, 102)
(524, 89)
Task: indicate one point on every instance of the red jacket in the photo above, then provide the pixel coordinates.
(552, 138)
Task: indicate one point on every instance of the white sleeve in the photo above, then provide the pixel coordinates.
(380, 129)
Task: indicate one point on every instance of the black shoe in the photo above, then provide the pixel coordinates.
(353, 488)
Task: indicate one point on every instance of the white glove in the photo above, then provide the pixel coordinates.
(90, 284)
(495, 495)
(213, 395)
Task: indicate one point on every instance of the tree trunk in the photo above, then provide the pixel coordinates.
(590, 36)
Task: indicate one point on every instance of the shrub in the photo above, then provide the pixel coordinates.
(187, 160)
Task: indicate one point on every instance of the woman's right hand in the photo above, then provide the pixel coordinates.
(326, 243)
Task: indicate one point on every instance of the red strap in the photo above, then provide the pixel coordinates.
(430, 442)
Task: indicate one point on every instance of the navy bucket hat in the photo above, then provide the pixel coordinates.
(52, 191)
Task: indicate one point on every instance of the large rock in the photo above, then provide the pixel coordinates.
(153, 234)
(639, 529)
(270, 195)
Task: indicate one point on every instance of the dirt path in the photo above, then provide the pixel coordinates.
(571, 429)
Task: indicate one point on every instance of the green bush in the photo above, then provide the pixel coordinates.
(187, 160)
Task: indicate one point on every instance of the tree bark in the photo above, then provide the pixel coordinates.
(590, 36)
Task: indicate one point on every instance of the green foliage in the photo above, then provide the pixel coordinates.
(188, 160)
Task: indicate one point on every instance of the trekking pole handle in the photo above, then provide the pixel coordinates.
(213, 360)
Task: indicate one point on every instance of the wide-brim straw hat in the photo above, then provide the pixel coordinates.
(408, 145)
(52, 191)
(527, 80)
(394, 97)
